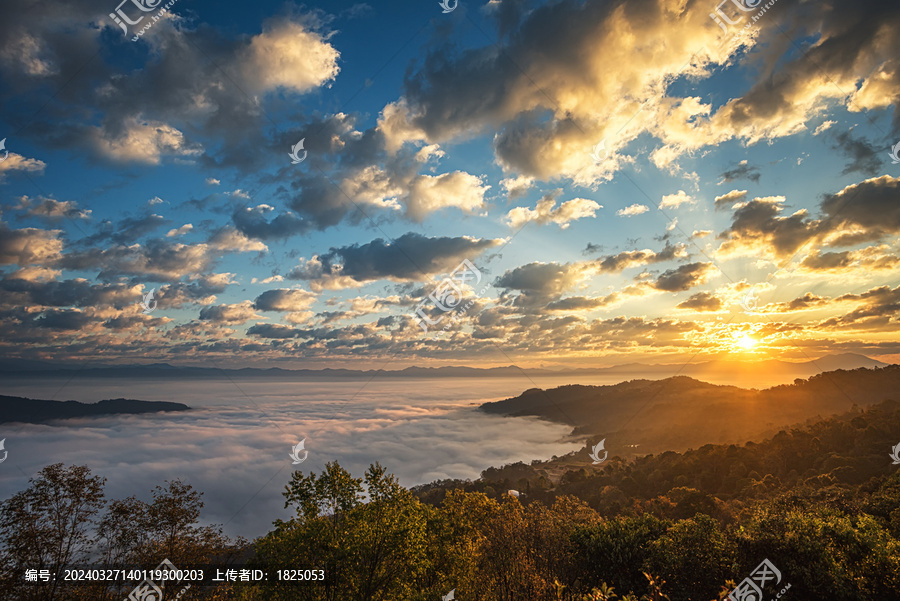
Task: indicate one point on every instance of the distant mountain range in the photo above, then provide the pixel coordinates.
(652, 416)
(19, 368)
(34, 411)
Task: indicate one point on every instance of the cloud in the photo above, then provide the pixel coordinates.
(160, 260)
(631, 210)
(877, 308)
(742, 170)
(142, 141)
(181, 231)
(684, 277)
(544, 212)
(673, 201)
(211, 181)
(635, 258)
(236, 313)
(287, 54)
(284, 299)
(16, 162)
(730, 198)
(28, 246)
(251, 222)
(228, 238)
(411, 257)
(702, 301)
(864, 157)
(540, 283)
(52, 210)
(516, 187)
(428, 194)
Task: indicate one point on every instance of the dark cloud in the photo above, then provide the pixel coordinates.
(873, 205)
(252, 223)
(66, 293)
(684, 277)
(864, 158)
(702, 301)
(62, 320)
(410, 257)
(284, 299)
(741, 171)
(878, 307)
(126, 231)
(632, 258)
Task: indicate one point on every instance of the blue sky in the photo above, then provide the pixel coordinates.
(743, 205)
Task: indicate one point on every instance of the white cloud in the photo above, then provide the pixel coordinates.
(545, 212)
(673, 201)
(430, 193)
(635, 209)
(288, 55)
(143, 141)
(184, 229)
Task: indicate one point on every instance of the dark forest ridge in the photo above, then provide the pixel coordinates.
(34, 411)
(650, 416)
(18, 368)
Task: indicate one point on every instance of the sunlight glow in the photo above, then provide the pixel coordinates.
(746, 342)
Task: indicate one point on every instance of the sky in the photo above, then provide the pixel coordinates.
(479, 183)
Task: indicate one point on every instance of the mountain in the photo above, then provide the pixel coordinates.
(650, 416)
(18, 368)
(33, 411)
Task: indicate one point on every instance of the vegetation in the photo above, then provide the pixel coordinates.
(821, 502)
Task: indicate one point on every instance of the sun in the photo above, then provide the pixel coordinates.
(746, 342)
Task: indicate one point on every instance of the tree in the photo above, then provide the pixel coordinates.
(48, 526)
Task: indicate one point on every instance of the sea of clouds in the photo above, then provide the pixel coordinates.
(234, 445)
